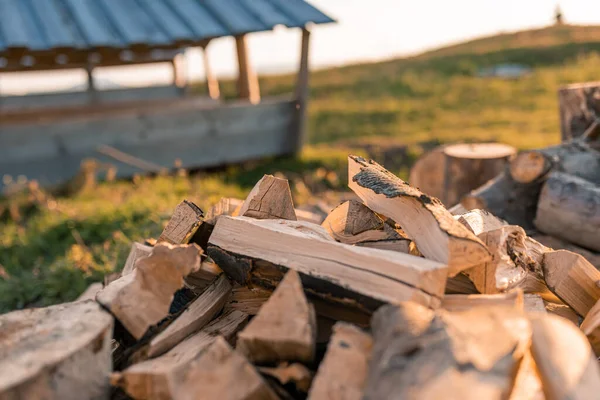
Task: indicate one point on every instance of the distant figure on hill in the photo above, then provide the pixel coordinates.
(558, 16)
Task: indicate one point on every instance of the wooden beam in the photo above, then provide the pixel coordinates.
(212, 83)
(302, 85)
(248, 87)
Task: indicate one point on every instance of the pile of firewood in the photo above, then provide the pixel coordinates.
(389, 297)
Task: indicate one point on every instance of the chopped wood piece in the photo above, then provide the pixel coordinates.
(221, 372)
(183, 224)
(419, 354)
(460, 284)
(534, 303)
(294, 373)
(285, 327)
(579, 108)
(270, 198)
(569, 208)
(424, 219)
(158, 378)
(58, 352)
(248, 300)
(206, 274)
(567, 366)
(194, 318)
(343, 371)
(516, 261)
(573, 279)
(225, 206)
(560, 244)
(138, 251)
(480, 221)
(529, 166)
(563, 310)
(528, 385)
(142, 299)
(402, 245)
(591, 327)
(462, 302)
(91, 292)
(345, 276)
(354, 223)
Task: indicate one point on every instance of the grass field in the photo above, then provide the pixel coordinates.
(61, 246)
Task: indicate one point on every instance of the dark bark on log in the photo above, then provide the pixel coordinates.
(579, 107)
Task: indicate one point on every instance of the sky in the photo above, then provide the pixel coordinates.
(367, 30)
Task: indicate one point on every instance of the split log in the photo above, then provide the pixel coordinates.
(199, 313)
(247, 300)
(480, 221)
(285, 327)
(91, 292)
(579, 108)
(460, 284)
(354, 223)
(463, 302)
(573, 279)
(533, 302)
(559, 244)
(225, 206)
(271, 198)
(591, 327)
(567, 366)
(530, 166)
(564, 311)
(142, 299)
(158, 378)
(183, 224)
(468, 166)
(342, 275)
(137, 252)
(286, 374)
(199, 280)
(569, 208)
(58, 352)
(343, 371)
(221, 372)
(457, 209)
(528, 385)
(421, 354)
(424, 219)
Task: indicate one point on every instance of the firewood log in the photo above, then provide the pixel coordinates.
(225, 206)
(138, 251)
(533, 302)
(142, 299)
(579, 108)
(59, 352)
(158, 378)
(567, 366)
(183, 224)
(285, 327)
(286, 373)
(270, 198)
(480, 221)
(91, 292)
(591, 327)
(343, 371)
(569, 208)
(564, 311)
(436, 233)
(199, 280)
(463, 302)
(199, 313)
(247, 300)
(421, 354)
(573, 279)
(560, 244)
(528, 385)
(342, 275)
(427, 173)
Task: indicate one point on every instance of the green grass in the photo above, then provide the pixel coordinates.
(61, 246)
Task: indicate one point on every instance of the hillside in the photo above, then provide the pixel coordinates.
(57, 248)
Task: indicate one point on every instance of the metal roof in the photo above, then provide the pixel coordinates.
(51, 25)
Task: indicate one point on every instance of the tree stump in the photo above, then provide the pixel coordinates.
(468, 166)
(579, 107)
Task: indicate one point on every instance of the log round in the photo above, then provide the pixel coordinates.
(579, 107)
(60, 352)
(428, 172)
(529, 166)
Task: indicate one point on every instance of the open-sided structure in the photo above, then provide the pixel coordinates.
(46, 136)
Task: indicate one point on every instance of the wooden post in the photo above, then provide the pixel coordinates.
(180, 72)
(302, 88)
(90, 75)
(212, 83)
(248, 87)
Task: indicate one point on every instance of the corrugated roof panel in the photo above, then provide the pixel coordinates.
(198, 19)
(168, 19)
(55, 24)
(12, 25)
(236, 18)
(301, 12)
(93, 25)
(267, 13)
(31, 25)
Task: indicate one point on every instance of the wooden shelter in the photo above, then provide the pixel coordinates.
(47, 136)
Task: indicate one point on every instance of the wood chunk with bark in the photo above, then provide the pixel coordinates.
(221, 372)
(58, 352)
(183, 224)
(137, 252)
(421, 354)
(573, 279)
(565, 361)
(142, 299)
(424, 219)
(199, 313)
(591, 327)
(248, 300)
(199, 280)
(354, 223)
(530, 166)
(346, 277)
(343, 371)
(158, 378)
(462, 302)
(286, 373)
(271, 198)
(560, 244)
(480, 221)
(569, 208)
(579, 108)
(285, 327)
